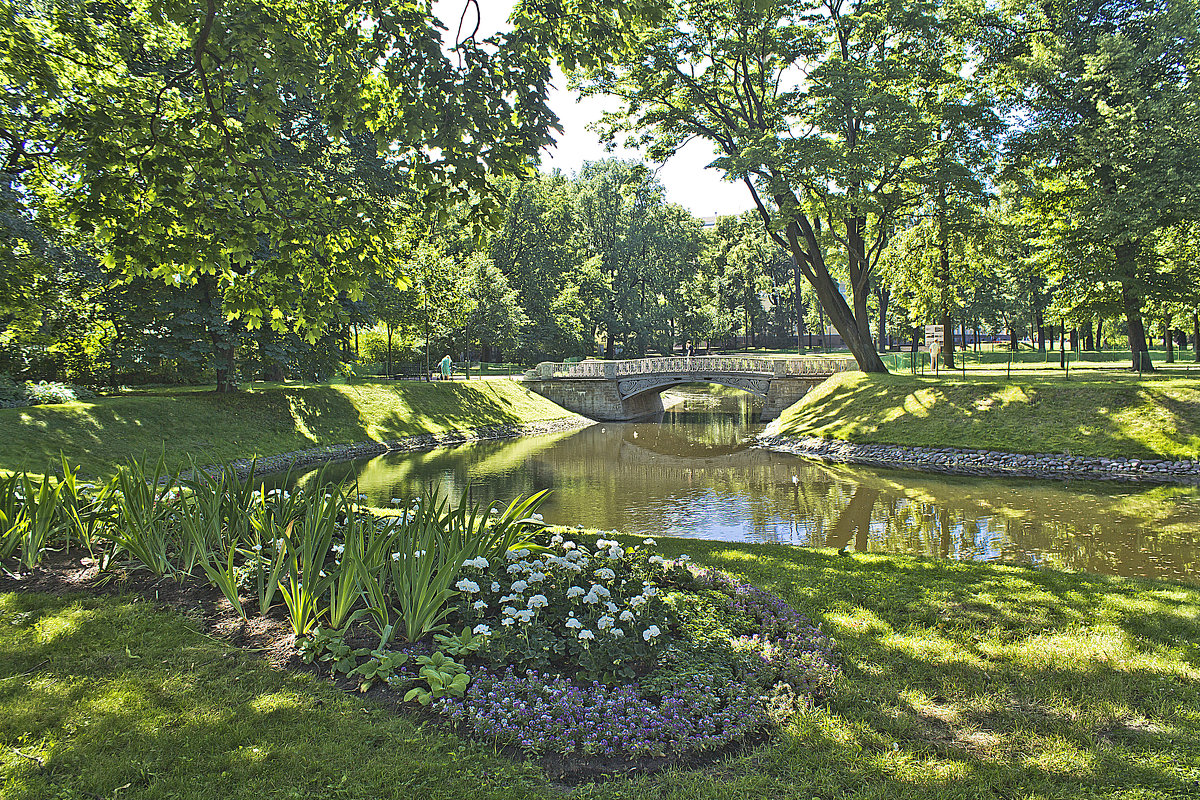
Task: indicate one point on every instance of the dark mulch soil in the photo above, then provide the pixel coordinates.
(76, 573)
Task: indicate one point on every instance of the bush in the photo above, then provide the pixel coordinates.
(15, 394)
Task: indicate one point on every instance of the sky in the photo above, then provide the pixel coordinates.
(684, 176)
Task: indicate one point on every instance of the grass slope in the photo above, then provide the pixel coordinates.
(961, 681)
(1156, 417)
(265, 419)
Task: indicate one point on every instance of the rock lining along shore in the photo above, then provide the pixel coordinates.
(266, 465)
(992, 463)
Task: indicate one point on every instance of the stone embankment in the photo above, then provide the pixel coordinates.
(954, 461)
(265, 465)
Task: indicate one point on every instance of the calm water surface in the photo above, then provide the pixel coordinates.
(697, 474)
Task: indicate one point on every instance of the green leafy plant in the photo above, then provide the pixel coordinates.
(380, 667)
(36, 517)
(143, 513)
(308, 539)
(464, 644)
(443, 675)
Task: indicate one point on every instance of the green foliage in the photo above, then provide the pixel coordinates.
(443, 675)
(142, 500)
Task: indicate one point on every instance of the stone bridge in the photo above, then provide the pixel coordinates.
(627, 390)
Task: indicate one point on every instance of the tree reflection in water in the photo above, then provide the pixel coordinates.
(696, 473)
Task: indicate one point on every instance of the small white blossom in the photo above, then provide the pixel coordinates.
(650, 632)
(575, 591)
(610, 606)
(657, 559)
(514, 569)
(650, 591)
(538, 601)
(537, 577)
(614, 553)
(605, 574)
(617, 632)
(479, 605)
(597, 589)
(509, 611)
(519, 586)
(338, 548)
(585, 634)
(525, 615)
(626, 615)
(649, 542)
(637, 600)
(683, 559)
(605, 622)
(470, 587)
(479, 562)
(569, 545)
(481, 629)
(591, 598)
(495, 586)
(396, 501)
(395, 556)
(507, 621)
(574, 623)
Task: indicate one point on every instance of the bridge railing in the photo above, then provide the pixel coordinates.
(741, 365)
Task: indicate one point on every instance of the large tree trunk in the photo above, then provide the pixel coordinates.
(1099, 334)
(944, 280)
(801, 325)
(1126, 253)
(841, 317)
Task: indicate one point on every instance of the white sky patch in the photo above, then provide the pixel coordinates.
(684, 176)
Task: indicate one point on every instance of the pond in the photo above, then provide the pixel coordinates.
(696, 473)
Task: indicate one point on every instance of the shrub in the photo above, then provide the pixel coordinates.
(14, 394)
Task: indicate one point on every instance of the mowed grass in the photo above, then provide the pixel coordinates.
(1109, 416)
(960, 681)
(263, 419)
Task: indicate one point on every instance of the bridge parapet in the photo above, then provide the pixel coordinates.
(710, 365)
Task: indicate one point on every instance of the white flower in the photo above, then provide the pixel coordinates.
(649, 542)
(525, 615)
(615, 552)
(556, 539)
(575, 555)
(537, 577)
(509, 611)
(397, 501)
(470, 587)
(605, 574)
(683, 559)
(591, 598)
(605, 622)
(657, 559)
(569, 545)
(585, 634)
(597, 589)
(511, 555)
(395, 556)
(636, 600)
(537, 517)
(650, 591)
(481, 629)
(610, 606)
(256, 547)
(479, 562)
(617, 632)
(479, 605)
(495, 586)
(522, 553)
(626, 615)
(513, 569)
(519, 586)
(493, 510)
(538, 601)
(507, 621)
(650, 632)
(575, 591)
(338, 548)
(574, 623)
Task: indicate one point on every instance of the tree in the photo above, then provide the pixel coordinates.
(1109, 104)
(811, 104)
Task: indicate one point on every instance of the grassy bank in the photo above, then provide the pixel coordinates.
(265, 419)
(1155, 417)
(961, 680)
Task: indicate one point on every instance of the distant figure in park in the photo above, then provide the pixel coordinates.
(690, 349)
(446, 365)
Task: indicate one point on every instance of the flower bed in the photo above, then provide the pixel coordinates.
(618, 656)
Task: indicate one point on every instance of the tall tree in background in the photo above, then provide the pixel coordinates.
(811, 104)
(1110, 101)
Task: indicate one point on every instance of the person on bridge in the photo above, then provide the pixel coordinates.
(690, 349)
(446, 367)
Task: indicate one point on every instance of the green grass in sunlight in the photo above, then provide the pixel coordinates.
(1114, 415)
(960, 681)
(264, 419)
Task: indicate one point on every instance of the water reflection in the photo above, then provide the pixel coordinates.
(696, 474)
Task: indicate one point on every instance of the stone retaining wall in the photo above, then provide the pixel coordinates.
(955, 461)
(266, 465)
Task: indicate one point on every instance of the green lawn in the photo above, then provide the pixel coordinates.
(961, 681)
(264, 419)
(1108, 416)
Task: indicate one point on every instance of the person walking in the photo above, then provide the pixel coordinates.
(446, 366)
